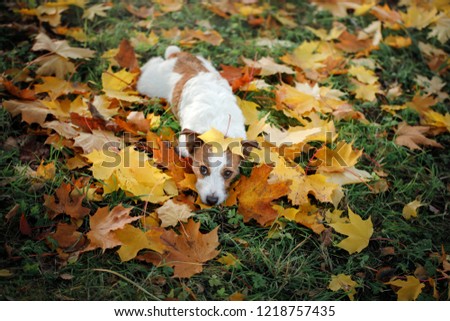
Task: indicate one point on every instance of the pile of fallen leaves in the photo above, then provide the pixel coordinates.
(121, 148)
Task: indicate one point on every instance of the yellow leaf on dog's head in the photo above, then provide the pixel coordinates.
(220, 143)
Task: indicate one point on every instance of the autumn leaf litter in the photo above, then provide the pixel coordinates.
(307, 106)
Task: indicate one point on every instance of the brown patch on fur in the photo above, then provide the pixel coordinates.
(200, 157)
(187, 66)
(232, 166)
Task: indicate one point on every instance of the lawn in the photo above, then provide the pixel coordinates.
(357, 208)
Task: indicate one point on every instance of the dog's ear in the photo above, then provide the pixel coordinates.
(191, 141)
(248, 145)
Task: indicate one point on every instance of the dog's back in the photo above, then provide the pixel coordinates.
(199, 96)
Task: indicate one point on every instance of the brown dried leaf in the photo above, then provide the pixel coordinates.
(255, 195)
(66, 204)
(187, 251)
(103, 224)
(413, 136)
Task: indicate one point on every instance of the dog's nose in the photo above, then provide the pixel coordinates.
(212, 199)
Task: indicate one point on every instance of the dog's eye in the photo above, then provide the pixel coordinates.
(203, 170)
(227, 173)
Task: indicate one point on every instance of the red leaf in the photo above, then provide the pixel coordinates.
(24, 227)
(237, 77)
(126, 57)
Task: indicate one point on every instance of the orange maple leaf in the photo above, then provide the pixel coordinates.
(351, 43)
(68, 203)
(67, 238)
(26, 94)
(255, 195)
(187, 251)
(237, 77)
(165, 155)
(413, 136)
(103, 224)
(126, 57)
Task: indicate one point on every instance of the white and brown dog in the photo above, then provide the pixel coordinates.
(201, 99)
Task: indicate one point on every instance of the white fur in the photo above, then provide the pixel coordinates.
(206, 102)
(157, 78)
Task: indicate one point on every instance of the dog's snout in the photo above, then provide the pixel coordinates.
(212, 199)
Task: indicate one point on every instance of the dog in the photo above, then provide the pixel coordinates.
(201, 100)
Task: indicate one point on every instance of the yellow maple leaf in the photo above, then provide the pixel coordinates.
(343, 282)
(441, 123)
(76, 33)
(306, 56)
(229, 260)
(142, 40)
(295, 100)
(366, 92)
(249, 110)
(236, 296)
(410, 209)
(315, 185)
(117, 81)
(46, 172)
(169, 5)
(334, 33)
(56, 87)
(294, 135)
(133, 172)
(357, 230)
(392, 109)
(268, 66)
(398, 41)
(134, 239)
(118, 85)
(350, 175)
(335, 217)
(363, 74)
(327, 129)
(409, 289)
(307, 215)
(337, 159)
(220, 143)
(283, 171)
(171, 213)
(418, 18)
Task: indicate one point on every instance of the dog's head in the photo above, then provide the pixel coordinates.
(215, 169)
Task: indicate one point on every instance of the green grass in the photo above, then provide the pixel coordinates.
(296, 265)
